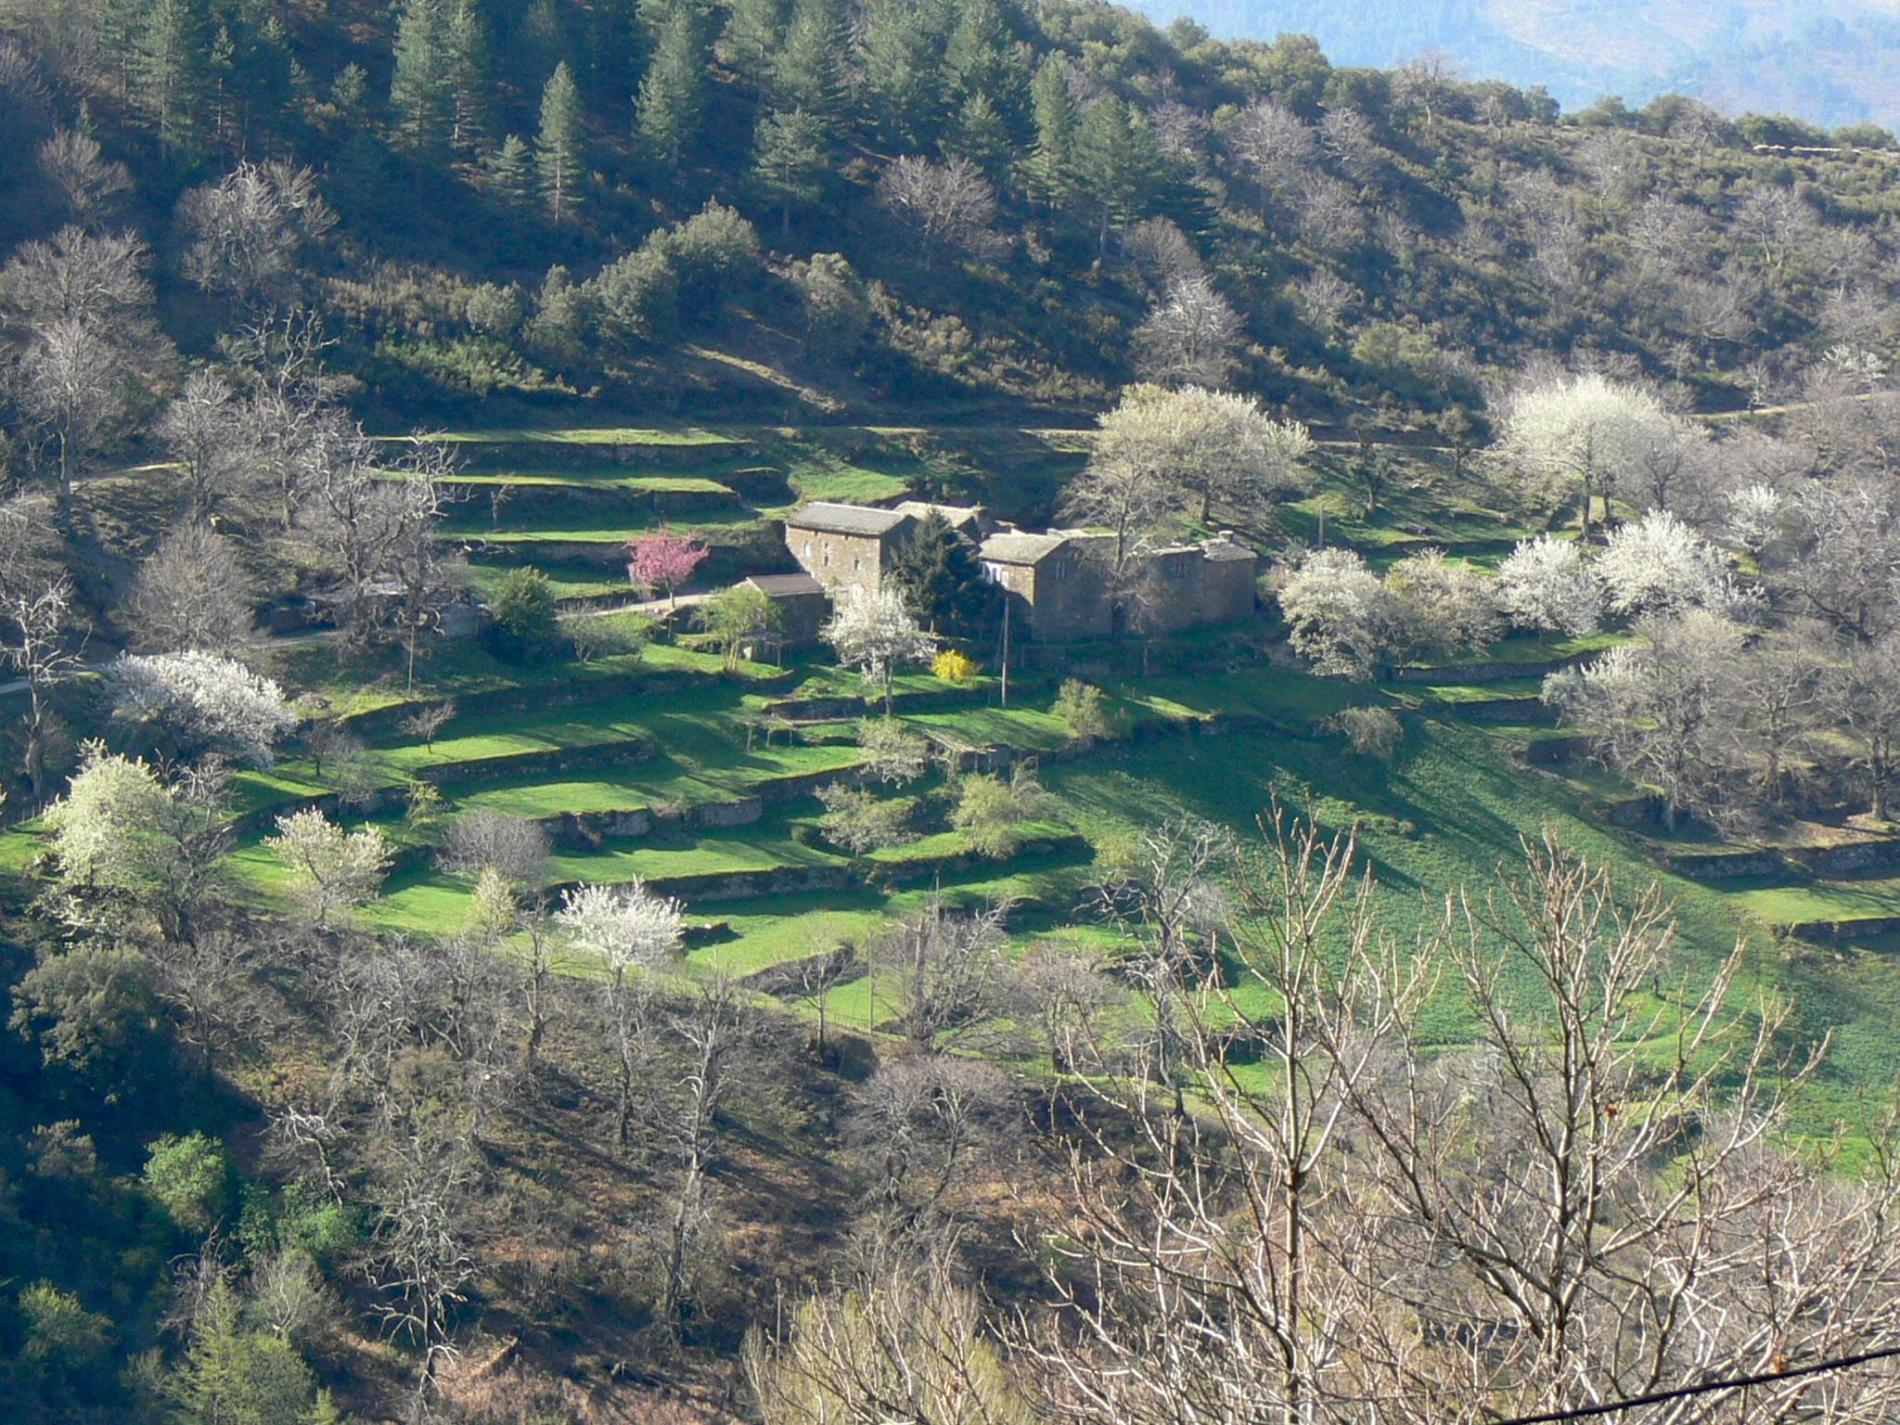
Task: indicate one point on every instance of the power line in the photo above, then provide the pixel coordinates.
(1660, 1397)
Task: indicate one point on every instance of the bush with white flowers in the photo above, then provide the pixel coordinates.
(205, 699)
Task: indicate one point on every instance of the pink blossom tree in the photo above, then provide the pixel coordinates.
(664, 560)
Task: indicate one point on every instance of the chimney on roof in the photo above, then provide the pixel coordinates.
(1226, 536)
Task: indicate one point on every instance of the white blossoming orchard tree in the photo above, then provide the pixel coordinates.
(332, 871)
(1660, 565)
(204, 699)
(128, 846)
(1656, 712)
(1218, 453)
(1547, 586)
(876, 633)
(631, 929)
(1583, 435)
(1446, 606)
(1340, 615)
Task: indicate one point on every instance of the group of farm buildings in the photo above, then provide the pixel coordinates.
(1057, 582)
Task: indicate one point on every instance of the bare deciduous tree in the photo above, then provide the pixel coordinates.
(950, 205)
(947, 967)
(192, 595)
(38, 647)
(207, 435)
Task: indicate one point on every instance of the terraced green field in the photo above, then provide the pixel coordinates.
(644, 762)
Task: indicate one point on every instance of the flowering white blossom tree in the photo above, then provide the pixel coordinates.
(1219, 453)
(1340, 615)
(1446, 605)
(624, 925)
(1655, 709)
(1545, 584)
(331, 870)
(1585, 434)
(204, 698)
(1755, 515)
(123, 839)
(874, 633)
(1659, 564)
(630, 928)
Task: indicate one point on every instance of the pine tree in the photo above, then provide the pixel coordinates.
(673, 94)
(936, 570)
(791, 160)
(121, 30)
(805, 73)
(981, 135)
(171, 73)
(538, 41)
(469, 77)
(421, 92)
(232, 1373)
(901, 70)
(1117, 164)
(980, 56)
(511, 175)
(265, 76)
(750, 41)
(558, 149)
(1051, 166)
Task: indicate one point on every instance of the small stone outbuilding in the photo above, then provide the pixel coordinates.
(802, 604)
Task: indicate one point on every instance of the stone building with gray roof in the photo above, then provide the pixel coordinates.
(850, 546)
(1059, 584)
(1057, 581)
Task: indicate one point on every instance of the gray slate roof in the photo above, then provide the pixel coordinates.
(783, 586)
(1227, 549)
(833, 518)
(1021, 548)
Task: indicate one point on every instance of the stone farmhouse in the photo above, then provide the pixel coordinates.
(850, 546)
(1057, 581)
(1058, 584)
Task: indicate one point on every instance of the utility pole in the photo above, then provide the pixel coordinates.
(1005, 702)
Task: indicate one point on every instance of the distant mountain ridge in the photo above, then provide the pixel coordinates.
(1831, 62)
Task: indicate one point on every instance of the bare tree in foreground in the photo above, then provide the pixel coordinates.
(1594, 1202)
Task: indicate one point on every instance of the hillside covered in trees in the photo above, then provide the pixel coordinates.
(490, 935)
(907, 203)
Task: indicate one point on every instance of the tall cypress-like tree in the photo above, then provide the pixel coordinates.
(805, 73)
(937, 572)
(673, 93)
(559, 148)
(1051, 166)
(469, 76)
(421, 91)
(171, 73)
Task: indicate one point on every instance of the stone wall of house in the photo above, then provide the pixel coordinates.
(838, 561)
(1170, 590)
(1069, 597)
(801, 616)
(1227, 590)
